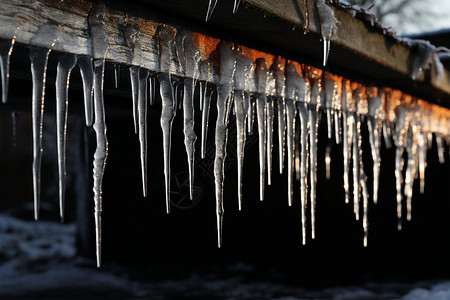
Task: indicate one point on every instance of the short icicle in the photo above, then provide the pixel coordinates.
(65, 65)
(227, 68)
(87, 76)
(6, 48)
(142, 122)
(168, 103)
(189, 57)
(261, 104)
(39, 59)
(116, 75)
(328, 27)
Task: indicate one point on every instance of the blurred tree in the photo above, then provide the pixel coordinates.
(403, 16)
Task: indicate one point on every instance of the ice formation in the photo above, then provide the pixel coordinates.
(246, 91)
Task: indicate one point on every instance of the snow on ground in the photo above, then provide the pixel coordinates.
(38, 261)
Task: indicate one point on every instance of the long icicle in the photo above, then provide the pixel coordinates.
(345, 139)
(87, 75)
(134, 77)
(303, 112)
(189, 58)
(400, 132)
(39, 59)
(227, 68)
(261, 104)
(142, 121)
(269, 130)
(313, 138)
(101, 152)
(291, 113)
(374, 127)
(168, 103)
(280, 85)
(65, 65)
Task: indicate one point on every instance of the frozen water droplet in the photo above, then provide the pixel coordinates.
(65, 65)
(39, 59)
(87, 75)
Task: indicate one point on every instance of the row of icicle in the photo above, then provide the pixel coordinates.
(289, 87)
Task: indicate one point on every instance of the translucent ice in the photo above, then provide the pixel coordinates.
(278, 71)
(142, 121)
(39, 59)
(87, 75)
(6, 48)
(134, 77)
(65, 65)
(211, 6)
(261, 104)
(328, 27)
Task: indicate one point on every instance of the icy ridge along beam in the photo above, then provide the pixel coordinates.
(353, 35)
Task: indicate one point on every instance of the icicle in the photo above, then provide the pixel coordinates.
(39, 59)
(347, 137)
(142, 121)
(386, 135)
(101, 152)
(411, 150)
(291, 113)
(278, 72)
(168, 103)
(227, 68)
(374, 125)
(189, 57)
(205, 118)
(306, 27)
(328, 161)
(65, 65)
(356, 163)
(14, 116)
(295, 91)
(313, 137)
(211, 6)
(328, 27)
(6, 49)
(87, 75)
(236, 6)
(201, 92)
(303, 112)
(134, 76)
(261, 104)
(400, 131)
(440, 148)
(269, 130)
(244, 70)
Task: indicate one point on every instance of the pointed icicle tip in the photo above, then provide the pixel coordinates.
(211, 6)
(328, 27)
(236, 6)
